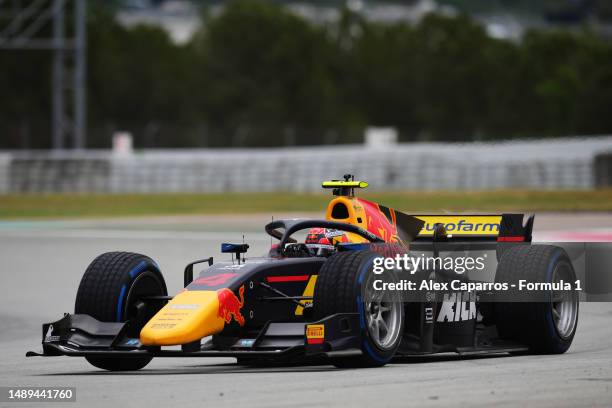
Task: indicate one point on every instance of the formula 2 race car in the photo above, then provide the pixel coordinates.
(315, 299)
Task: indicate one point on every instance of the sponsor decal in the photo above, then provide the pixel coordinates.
(380, 220)
(458, 307)
(49, 337)
(132, 342)
(214, 280)
(429, 314)
(246, 342)
(320, 246)
(308, 292)
(230, 305)
(232, 267)
(462, 225)
(184, 306)
(315, 333)
(333, 233)
(163, 326)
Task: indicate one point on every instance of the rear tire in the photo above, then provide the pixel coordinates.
(341, 287)
(111, 285)
(547, 327)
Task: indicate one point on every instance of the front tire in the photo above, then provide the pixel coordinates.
(344, 285)
(108, 291)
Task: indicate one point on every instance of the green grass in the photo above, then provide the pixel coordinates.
(106, 205)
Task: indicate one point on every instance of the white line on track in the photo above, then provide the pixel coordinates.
(590, 235)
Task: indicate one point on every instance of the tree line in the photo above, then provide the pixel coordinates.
(258, 75)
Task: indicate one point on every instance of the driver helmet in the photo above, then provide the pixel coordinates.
(324, 237)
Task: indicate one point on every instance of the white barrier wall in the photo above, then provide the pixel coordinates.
(5, 162)
(541, 164)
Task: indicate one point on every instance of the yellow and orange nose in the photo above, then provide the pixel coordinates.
(189, 316)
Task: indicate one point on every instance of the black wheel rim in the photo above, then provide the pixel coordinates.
(145, 284)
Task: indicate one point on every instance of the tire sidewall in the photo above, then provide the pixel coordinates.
(370, 349)
(558, 343)
(149, 270)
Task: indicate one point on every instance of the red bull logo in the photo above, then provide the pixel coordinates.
(380, 220)
(230, 305)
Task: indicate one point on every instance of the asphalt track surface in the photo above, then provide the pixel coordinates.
(42, 262)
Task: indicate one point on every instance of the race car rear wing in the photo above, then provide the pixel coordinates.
(500, 228)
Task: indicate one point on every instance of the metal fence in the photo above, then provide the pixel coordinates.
(537, 164)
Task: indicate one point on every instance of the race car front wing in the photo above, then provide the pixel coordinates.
(336, 336)
(79, 335)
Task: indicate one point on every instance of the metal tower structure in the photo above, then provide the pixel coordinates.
(46, 25)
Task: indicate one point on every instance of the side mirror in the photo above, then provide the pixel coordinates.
(188, 274)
